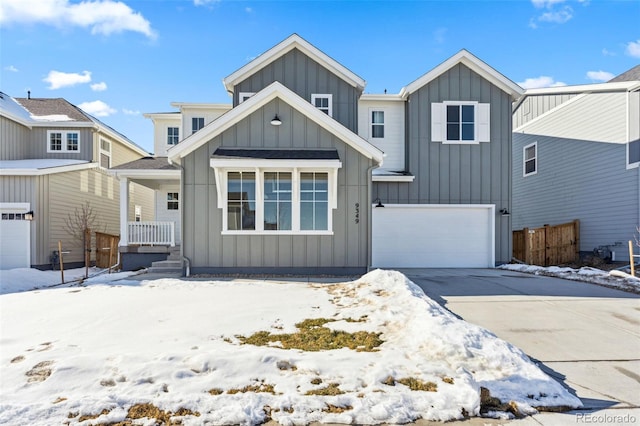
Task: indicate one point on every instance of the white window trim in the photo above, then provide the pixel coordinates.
(167, 140)
(64, 141)
(243, 95)
(524, 159)
(329, 96)
(383, 124)
(630, 165)
(223, 166)
(197, 118)
(481, 122)
(102, 151)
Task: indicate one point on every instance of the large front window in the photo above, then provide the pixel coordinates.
(314, 201)
(277, 201)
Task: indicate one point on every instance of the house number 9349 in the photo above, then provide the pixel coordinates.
(357, 213)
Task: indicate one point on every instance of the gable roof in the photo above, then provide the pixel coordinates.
(630, 75)
(475, 64)
(294, 41)
(260, 99)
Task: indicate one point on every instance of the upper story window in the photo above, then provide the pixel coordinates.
(105, 153)
(377, 124)
(63, 141)
(460, 122)
(173, 135)
(633, 154)
(173, 202)
(530, 159)
(243, 96)
(197, 123)
(323, 102)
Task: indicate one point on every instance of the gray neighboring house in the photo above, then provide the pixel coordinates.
(306, 173)
(53, 159)
(576, 156)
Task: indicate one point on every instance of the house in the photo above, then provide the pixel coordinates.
(306, 173)
(576, 156)
(53, 159)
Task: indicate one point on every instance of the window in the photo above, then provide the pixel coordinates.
(377, 124)
(137, 212)
(314, 201)
(173, 202)
(323, 103)
(63, 141)
(241, 201)
(277, 201)
(197, 123)
(530, 159)
(633, 153)
(105, 154)
(13, 216)
(173, 135)
(243, 96)
(460, 122)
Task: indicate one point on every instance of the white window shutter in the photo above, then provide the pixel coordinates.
(437, 122)
(484, 118)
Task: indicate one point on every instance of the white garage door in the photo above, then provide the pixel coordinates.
(15, 241)
(433, 236)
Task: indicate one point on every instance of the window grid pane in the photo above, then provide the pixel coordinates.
(172, 135)
(72, 141)
(460, 122)
(241, 205)
(277, 201)
(55, 141)
(314, 207)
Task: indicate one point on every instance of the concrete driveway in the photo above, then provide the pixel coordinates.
(584, 335)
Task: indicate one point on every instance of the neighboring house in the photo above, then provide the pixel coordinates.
(576, 155)
(288, 179)
(53, 159)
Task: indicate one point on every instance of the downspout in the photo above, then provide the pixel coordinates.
(185, 260)
(370, 215)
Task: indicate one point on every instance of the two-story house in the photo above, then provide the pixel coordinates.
(306, 173)
(53, 159)
(576, 156)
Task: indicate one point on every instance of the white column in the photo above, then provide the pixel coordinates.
(124, 211)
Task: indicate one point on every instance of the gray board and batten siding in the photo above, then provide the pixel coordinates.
(345, 252)
(305, 77)
(452, 173)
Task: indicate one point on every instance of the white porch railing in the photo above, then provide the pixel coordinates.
(152, 233)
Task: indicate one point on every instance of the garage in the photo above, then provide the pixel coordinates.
(433, 236)
(15, 236)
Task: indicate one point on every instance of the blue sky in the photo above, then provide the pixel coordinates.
(120, 59)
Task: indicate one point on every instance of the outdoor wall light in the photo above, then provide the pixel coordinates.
(378, 202)
(505, 212)
(28, 215)
(276, 121)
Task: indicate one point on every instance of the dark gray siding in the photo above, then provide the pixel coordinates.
(14, 140)
(346, 250)
(305, 77)
(458, 174)
(581, 180)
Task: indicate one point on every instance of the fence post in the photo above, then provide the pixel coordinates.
(632, 261)
(547, 256)
(527, 246)
(62, 262)
(576, 234)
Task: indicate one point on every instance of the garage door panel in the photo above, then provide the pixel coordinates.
(433, 236)
(14, 244)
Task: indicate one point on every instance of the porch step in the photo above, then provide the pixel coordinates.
(166, 266)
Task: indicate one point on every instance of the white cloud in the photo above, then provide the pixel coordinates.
(633, 49)
(58, 79)
(101, 16)
(11, 68)
(599, 76)
(555, 12)
(97, 108)
(540, 82)
(557, 16)
(204, 2)
(248, 9)
(607, 52)
(546, 3)
(438, 35)
(130, 111)
(99, 87)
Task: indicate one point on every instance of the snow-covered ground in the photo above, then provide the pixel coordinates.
(614, 279)
(99, 349)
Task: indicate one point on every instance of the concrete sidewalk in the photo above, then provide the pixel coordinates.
(585, 336)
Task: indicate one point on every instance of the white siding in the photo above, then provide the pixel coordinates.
(160, 126)
(209, 115)
(393, 142)
(593, 117)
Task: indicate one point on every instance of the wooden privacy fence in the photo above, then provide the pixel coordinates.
(548, 245)
(106, 250)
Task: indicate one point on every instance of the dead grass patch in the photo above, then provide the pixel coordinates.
(330, 408)
(19, 358)
(92, 416)
(215, 391)
(316, 381)
(491, 403)
(331, 390)
(412, 383)
(59, 399)
(448, 380)
(286, 365)
(40, 372)
(257, 388)
(147, 410)
(313, 336)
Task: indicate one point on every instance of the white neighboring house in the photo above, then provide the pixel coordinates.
(152, 241)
